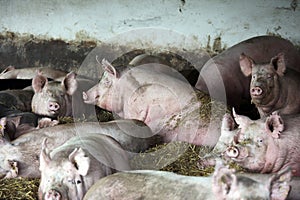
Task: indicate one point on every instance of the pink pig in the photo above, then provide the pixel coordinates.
(159, 97)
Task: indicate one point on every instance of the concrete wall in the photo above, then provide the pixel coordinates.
(185, 24)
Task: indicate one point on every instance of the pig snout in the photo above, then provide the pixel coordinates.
(53, 106)
(256, 91)
(90, 97)
(232, 152)
(52, 195)
(84, 96)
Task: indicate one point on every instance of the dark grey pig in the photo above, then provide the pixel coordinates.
(68, 171)
(58, 99)
(157, 185)
(273, 86)
(222, 78)
(134, 136)
(16, 99)
(266, 145)
(12, 127)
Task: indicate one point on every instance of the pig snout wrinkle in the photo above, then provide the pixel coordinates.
(256, 91)
(52, 195)
(53, 106)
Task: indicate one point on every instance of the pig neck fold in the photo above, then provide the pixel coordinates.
(271, 156)
(276, 156)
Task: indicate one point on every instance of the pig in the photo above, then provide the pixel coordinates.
(28, 73)
(266, 145)
(273, 86)
(11, 127)
(154, 185)
(23, 152)
(222, 78)
(68, 171)
(15, 122)
(164, 101)
(16, 99)
(53, 99)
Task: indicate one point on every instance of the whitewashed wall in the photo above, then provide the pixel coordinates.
(193, 20)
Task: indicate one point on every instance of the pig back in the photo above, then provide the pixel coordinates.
(150, 185)
(103, 150)
(133, 135)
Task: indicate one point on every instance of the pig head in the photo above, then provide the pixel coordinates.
(273, 87)
(53, 99)
(266, 145)
(71, 169)
(59, 99)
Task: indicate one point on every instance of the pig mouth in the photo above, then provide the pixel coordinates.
(88, 100)
(92, 101)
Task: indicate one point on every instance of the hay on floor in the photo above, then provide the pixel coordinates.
(19, 188)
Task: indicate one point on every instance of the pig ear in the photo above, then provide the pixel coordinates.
(241, 120)
(274, 125)
(7, 69)
(80, 160)
(227, 122)
(279, 184)
(109, 68)
(223, 180)
(70, 83)
(39, 82)
(16, 120)
(246, 64)
(279, 64)
(44, 156)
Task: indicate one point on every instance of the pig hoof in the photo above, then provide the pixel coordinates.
(13, 172)
(204, 163)
(47, 122)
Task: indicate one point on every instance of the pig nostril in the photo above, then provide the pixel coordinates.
(256, 91)
(53, 194)
(53, 106)
(232, 152)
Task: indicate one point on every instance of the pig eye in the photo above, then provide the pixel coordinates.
(106, 83)
(254, 76)
(259, 140)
